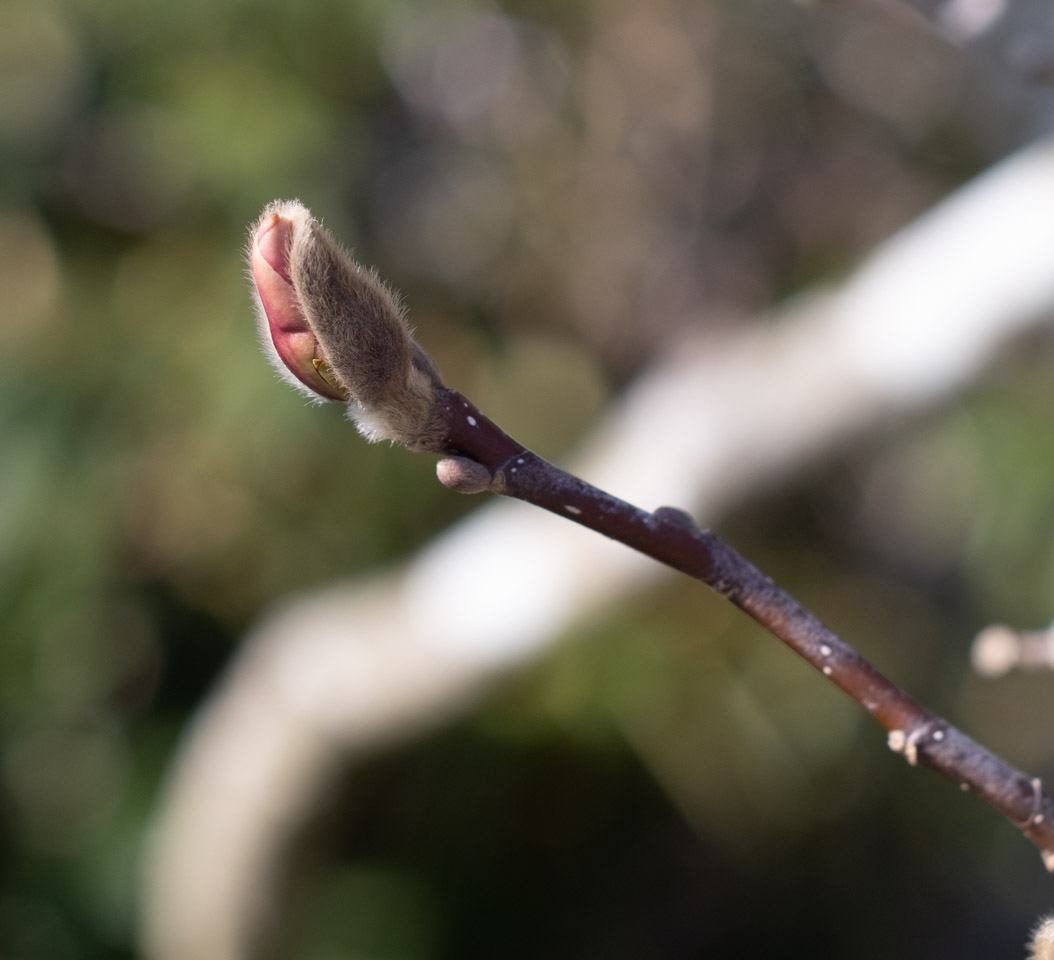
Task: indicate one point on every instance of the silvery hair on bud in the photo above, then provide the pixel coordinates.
(1042, 945)
(361, 326)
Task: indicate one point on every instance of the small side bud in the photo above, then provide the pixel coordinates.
(340, 331)
(463, 475)
(675, 516)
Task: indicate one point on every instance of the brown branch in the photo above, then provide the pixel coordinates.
(338, 333)
(484, 457)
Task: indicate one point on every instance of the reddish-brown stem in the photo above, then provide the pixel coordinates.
(671, 537)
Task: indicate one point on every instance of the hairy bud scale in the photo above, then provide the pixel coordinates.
(337, 332)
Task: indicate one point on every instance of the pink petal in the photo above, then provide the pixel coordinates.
(288, 328)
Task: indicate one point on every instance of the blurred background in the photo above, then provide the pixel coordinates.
(561, 190)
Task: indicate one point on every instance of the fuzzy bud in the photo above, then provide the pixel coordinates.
(336, 332)
(463, 475)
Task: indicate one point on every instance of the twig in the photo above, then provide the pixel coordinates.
(336, 332)
(670, 536)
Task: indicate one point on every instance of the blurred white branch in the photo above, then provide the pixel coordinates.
(344, 671)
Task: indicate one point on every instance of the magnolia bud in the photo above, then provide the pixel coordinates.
(336, 332)
(464, 475)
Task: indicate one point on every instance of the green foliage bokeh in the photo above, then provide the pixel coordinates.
(611, 176)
